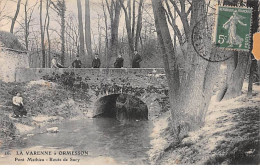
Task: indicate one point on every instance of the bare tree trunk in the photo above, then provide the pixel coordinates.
(114, 19)
(237, 65)
(15, 16)
(61, 10)
(189, 99)
(88, 32)
(48, 35)
(99, 35)
(253, 67)
(128, 29)
(27, 19)
(26, 32)
(106, 35)
(197, 87)
(236, 72)
(167, 51)
(81, 34)
(139, 24)
(133, 19)
(42, 37)
(62, 15)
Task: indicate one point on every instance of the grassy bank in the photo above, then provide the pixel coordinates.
(230, 135)
(45, 102)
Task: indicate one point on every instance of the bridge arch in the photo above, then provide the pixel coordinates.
(121, 107)
(149, 85)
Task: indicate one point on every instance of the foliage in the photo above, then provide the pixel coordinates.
(10, 41)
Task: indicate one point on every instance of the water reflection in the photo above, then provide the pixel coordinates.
(126, 143)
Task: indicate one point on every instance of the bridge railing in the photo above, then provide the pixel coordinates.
(28, 74)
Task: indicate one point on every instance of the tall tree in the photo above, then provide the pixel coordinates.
(62, 16)
(114, 9)
(106, 34)
(48, 34)
(26, 26)
(237, 66)
(167, 51)
(139, 23)
(81, 33)
(15, 16)
(60, 7)
(88, 32)
(189, 95)
(28, 12)
(133, 39)
(253, 66)
(42, 36)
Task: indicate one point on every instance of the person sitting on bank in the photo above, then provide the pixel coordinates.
(18, 106)
(96, 62)
(76, 63)
(119, 62)
(136, 61)
(55, 64)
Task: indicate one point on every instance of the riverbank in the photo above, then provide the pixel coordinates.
(230, 135)
(46, 103)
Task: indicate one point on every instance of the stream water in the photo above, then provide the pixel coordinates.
(107, 137)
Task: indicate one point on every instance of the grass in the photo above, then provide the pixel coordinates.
(230, 136)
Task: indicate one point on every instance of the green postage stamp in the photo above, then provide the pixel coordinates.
(232, 29)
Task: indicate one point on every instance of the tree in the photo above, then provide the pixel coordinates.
(15, 16)
(87, 31)
(26, 33)
(253, 66)
(237, 65)
(113, 8)
(133, 39)
(139, 23)
(28, 12)
(72, 36)
(106, 34)
(42, 36)
(190, 93)
(172, 21)
(60, 8)
(48, 34)
(81, 34)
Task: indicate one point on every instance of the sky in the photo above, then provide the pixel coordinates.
(95, 10)
(10, 9)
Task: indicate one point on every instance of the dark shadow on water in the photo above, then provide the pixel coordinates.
(122, 107)
(106, 137)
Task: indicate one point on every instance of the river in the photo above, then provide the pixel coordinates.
(106, 137)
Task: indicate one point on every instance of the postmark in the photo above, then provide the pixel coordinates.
(202, 35)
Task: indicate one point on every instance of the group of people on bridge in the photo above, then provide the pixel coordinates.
(96, 63)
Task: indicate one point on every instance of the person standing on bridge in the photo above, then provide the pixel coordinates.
(119, 62)
(77, 63)
(136, 61)
(96, 62)
(55, 64)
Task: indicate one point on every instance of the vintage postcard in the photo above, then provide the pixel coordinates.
(129, 82)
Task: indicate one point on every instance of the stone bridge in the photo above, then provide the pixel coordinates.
(109, 88)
